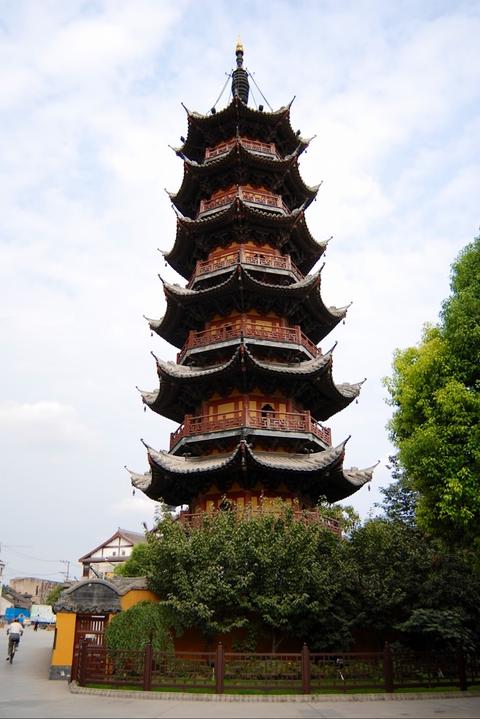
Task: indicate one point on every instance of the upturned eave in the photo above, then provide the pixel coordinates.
(208, 130)
(280, 175)
(300, 302)
(178, 480)
(241, 222)
(182, 388)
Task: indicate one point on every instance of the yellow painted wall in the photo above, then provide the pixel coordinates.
(62, 654)
(137, 595)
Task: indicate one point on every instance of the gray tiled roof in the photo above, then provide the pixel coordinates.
(176, 477)
(310, 380)
(305, 368)
(200, 127)
(182, 255)
(294, 462)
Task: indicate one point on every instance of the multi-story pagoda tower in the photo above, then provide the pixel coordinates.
(250, 387)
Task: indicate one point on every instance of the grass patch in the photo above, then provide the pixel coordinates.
(432, 690)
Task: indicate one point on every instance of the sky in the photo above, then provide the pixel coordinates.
(90, 101)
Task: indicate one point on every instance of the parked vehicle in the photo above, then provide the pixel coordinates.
(17, 613)
(42, 614)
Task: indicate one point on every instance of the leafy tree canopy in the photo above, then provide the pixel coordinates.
(435, 392)
(137, 563)
(135, 627)
(412, 582)
(282, 576)
(53, 595)
(399, 497)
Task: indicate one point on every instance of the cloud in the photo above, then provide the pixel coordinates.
(44, 423)
(134, 506)
(90, 99)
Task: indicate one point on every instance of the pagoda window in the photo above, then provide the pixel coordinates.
(267, 411)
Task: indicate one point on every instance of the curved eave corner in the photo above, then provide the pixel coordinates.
(350, 391)
(358, 477)
(140, 481)
(149, 398)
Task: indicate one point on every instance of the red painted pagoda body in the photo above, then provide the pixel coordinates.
(250, 388)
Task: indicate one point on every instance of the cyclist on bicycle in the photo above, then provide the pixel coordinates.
(14, 631)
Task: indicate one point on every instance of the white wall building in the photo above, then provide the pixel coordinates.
(101, 561)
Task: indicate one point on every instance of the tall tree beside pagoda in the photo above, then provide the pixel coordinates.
(250, 388)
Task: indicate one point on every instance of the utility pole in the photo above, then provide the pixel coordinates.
(67, 573)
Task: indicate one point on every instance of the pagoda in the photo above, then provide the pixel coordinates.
(250, 388)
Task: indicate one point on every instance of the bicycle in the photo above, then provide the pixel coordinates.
(12, 648)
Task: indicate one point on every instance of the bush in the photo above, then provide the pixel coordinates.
(135, 627)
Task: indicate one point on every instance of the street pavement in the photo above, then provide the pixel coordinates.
(26, 691)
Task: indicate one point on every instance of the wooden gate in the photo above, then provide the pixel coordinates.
(89, 628)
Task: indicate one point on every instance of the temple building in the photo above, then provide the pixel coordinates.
(250, 389)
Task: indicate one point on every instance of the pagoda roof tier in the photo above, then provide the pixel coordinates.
(182, 388)
(300, 302)
(240, 119)
(178, 480)
(241, 222)
(240, 166)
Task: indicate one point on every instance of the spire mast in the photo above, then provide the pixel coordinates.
(240, 84)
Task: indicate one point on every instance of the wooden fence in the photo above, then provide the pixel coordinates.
(304, 672)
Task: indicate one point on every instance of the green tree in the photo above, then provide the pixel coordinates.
(399, 497)
(135, 627)
(410, 581)
(391, 562)
(267, 571)
(435, 392)
(137, 564)
(53, 595)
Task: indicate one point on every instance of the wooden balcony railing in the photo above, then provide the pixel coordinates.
(254, 419)
(264, 148)
(268, 260)
(307, 516)
(247, 329)
(256, 197)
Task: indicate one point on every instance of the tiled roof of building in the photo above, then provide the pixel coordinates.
(300, 379)
(97, 596)
(300, 302)
(132, 537)
(176, 479)
(231, 168)
(203, 130)
(195, 238)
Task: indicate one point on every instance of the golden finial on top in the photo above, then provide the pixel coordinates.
(239, 47)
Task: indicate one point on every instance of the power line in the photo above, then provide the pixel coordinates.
(35, 559)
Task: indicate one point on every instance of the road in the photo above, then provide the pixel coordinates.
(26, 691)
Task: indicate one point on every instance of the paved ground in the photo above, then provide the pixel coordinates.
(25, 691)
